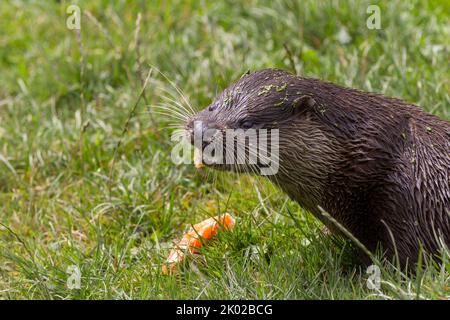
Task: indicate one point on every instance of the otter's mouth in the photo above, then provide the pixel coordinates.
(244, 151)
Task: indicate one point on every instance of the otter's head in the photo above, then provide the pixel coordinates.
(268, 100)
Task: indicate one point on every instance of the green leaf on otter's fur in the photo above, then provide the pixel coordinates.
(265, 89)
(281, 88)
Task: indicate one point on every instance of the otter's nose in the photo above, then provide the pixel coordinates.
(205, 131)
(190, 129)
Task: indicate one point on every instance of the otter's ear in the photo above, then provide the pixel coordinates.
(303, 103)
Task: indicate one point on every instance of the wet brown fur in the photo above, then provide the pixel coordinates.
(378, 165)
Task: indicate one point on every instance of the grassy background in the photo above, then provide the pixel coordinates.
(64, 104)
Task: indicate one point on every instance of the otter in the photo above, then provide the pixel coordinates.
(378, 166)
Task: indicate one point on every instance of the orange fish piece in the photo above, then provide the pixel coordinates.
(192, 240)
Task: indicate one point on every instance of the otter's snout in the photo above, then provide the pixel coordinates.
(204, 130)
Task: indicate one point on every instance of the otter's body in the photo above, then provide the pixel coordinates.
(378, 165)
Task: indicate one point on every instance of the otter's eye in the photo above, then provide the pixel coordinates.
(245, 124)
(212, 107)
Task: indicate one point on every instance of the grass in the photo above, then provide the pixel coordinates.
(64, 104)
